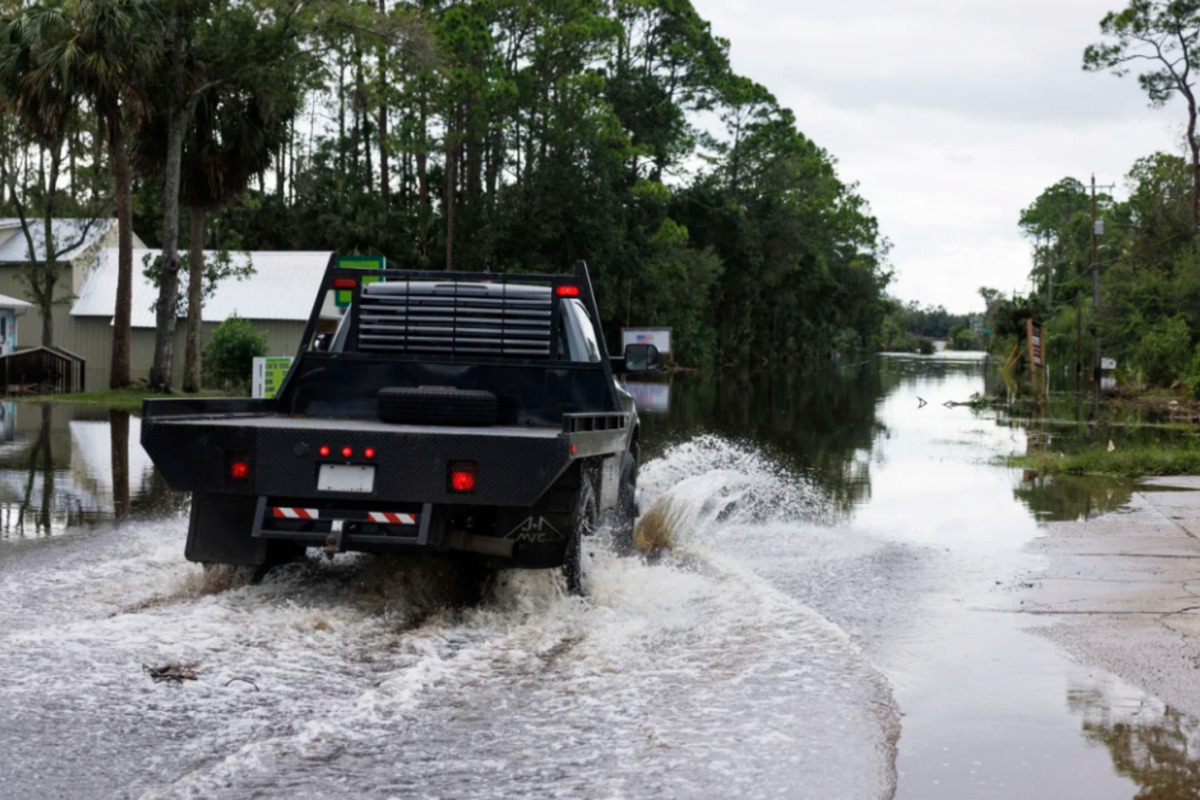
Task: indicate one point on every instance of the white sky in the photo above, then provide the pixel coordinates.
(952, 116)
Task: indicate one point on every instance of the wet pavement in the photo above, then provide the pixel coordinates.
(854, 604)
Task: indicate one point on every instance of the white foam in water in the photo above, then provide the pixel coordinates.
(690, 675)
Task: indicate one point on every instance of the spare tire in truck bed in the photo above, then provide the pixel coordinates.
(436, 406)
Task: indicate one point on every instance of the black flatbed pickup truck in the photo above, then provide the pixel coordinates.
(470, 413)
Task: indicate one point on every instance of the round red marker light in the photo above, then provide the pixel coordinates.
(324, 451)
(369, 452)
(347, 452)
(239, 470)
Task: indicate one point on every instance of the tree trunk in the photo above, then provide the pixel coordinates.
(121, 340)
(384, 187)
(195, 305)
(166, 312)
(280, 169)
(43, 287)
(451, 191)
(118, 426)
(1194, 146)
(423, 155)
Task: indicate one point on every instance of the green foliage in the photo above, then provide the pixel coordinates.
(509, 135)
(963, 338)
(218, 267)
(229, 355)
(1181, 457)
(1164, 352)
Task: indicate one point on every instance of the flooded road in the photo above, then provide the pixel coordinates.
(835, 618)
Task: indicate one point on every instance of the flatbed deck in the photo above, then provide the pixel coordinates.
(356, 425)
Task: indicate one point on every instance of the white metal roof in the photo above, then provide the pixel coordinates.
(12, 302)
(15, 250)
(283, 287)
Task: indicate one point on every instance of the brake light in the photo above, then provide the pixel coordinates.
(369, 452)
(462, 477)
(566, 291)
(239, 470)
(344, 283)
(347, 452)
(324, 451)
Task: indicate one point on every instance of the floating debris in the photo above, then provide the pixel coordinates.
(176, 672)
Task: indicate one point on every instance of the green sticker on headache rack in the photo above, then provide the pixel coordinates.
(358, 262)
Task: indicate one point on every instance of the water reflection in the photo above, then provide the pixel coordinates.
(1069, 498)
(1151, 743)
(64, 466)
(821, 424)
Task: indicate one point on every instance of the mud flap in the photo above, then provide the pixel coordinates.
(539, 534)
(219, 532)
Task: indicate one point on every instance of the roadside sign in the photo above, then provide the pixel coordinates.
(268, 375)
(358, 262)
(1037, 355)
(1108, 363)
(659, 337)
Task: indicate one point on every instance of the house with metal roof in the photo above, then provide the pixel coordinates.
(277, 296)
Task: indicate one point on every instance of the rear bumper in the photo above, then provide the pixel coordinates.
(514, 466)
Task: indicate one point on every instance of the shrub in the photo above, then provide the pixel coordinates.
(963, 338)
(1164, 351)
(925, 346)
(229, 356)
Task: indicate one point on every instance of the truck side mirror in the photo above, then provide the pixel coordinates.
(642, 358)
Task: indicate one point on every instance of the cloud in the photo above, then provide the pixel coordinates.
(952, 116)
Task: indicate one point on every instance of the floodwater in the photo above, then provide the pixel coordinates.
(834, 618)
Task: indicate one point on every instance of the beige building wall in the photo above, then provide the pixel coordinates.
(91, 337)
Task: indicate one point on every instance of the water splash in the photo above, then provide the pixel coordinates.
(709, 482)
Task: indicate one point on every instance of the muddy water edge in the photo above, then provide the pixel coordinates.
(839, 615)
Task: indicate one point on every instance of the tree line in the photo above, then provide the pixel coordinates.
(490, 134)
(1130, 281)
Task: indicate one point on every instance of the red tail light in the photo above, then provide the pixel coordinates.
(369, 452)
(566, 291)
(324, 451)
(344, 283)
(347, 452)
(462, 477)
(239, 470)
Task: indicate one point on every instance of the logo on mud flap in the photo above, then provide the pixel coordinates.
(535, 529)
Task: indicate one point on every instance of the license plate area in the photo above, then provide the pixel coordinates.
(346, 478)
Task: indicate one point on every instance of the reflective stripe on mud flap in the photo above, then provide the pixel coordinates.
(394, 519)
(295, 513)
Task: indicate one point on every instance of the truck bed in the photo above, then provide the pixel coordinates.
(266, 421)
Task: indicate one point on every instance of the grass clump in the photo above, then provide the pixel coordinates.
(127, 399)
(1133, 461)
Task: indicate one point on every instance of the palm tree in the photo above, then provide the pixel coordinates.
(108, 47)
(248, 92)
(234, 135)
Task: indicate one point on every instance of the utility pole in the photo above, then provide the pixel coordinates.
(1096, 371)
(1078, 340)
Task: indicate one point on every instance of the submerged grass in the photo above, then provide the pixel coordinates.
(1131, 461)
(129, 399)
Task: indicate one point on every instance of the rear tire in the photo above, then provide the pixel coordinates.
(583, 523)
(625, 514)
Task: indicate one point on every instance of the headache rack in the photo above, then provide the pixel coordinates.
(446, 316)
(456, 317)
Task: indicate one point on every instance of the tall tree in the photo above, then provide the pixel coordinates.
(107, 47)
(1162, 35)
(45, 102)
